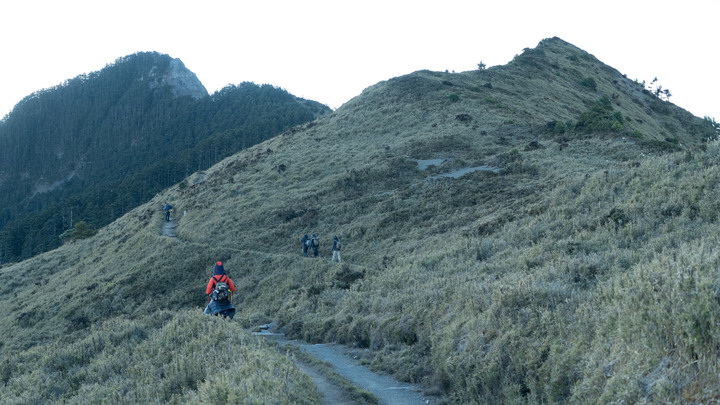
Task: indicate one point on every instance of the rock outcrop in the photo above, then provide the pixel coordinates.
(180, 79)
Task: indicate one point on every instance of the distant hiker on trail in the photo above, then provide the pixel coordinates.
(168, 208)
(314, 245)
(220, 291)
(305, 244)
(336, 249)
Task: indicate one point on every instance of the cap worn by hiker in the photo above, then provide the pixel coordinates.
(218, 269)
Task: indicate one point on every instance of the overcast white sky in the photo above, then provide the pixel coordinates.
(329, 51)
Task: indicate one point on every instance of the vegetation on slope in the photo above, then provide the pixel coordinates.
(584, 271)
(167, 358)
(98, 145)
(116, 318)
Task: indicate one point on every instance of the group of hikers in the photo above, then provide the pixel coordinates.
(310, 247)
(220, 288)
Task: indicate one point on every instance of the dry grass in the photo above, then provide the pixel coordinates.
(164, 358)
(583, 272)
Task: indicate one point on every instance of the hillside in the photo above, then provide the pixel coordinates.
(93, 148)
(575, 262)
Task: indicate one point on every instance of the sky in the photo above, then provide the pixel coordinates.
(329, 51)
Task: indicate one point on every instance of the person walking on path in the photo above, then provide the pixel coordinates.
(314, 245)
(168, 209)
(220, 291)
(305, 245)
(336, 249)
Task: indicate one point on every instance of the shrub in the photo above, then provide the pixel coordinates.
(81, 231)
(600, 117)
(589, 82)
(556, 127)
(463, 117)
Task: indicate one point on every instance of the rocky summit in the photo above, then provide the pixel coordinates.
(182, 81)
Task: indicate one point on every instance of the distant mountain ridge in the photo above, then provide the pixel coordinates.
(99, 144)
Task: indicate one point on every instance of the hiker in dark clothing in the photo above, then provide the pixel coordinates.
(168, 208)
(220, 291)
(314, 244)
(336, 249)
(305, 244)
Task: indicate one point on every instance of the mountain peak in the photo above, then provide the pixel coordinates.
(555, 42)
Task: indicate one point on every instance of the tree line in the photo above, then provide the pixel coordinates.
(98, 145)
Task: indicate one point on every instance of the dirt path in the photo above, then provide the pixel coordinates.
(385, 388)
(168, 228)
(330, 393)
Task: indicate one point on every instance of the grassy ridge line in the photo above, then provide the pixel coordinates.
(355, 320)
(534, 287)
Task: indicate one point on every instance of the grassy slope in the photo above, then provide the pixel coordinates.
(584, 271)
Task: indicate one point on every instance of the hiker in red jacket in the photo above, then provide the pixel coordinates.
(220, 291)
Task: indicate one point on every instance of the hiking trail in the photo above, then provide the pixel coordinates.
(168, 228)
(385, 388)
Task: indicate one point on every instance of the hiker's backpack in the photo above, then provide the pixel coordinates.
(314, 242)
(221, 292)
(338, 245)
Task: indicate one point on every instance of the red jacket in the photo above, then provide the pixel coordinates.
(219, 279)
